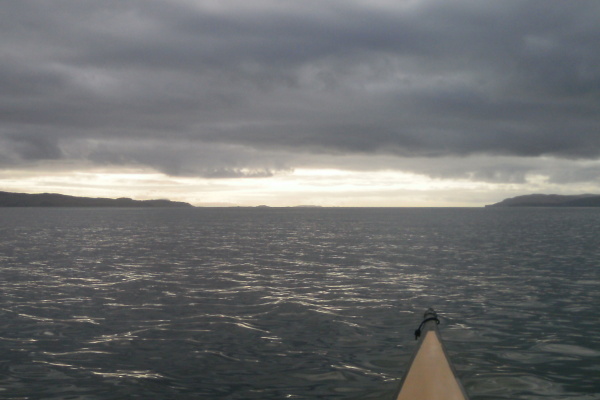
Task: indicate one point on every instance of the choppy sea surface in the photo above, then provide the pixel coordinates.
(295, 303)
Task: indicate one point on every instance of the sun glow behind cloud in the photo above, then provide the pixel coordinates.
(303, 186)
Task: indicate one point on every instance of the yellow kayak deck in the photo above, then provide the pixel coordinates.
(431, 375)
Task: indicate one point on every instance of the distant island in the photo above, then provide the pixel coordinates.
(550, 200)
(8, 199)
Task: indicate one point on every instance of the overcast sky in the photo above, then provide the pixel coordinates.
(338, 102)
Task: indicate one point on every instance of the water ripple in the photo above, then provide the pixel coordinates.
(299, 304)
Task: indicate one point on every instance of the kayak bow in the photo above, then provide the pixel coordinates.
(430, 375)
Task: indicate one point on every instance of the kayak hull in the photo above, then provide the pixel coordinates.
(430, 375)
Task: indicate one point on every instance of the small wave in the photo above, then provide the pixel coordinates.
(512, 386)
(144, 374)
(568, 349)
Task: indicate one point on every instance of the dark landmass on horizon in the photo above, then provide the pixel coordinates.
(550, 200)
(8, 199)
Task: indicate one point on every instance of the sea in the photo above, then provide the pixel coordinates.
(295, 303)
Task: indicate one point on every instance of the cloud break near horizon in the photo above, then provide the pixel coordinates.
(333, 103)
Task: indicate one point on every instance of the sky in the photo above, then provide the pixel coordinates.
(339, 103)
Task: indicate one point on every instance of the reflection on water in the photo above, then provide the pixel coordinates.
(295, 303)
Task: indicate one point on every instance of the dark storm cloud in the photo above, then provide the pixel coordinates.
(412, 79)
(30, 147)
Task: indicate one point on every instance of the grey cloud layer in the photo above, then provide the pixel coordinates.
(415, 79)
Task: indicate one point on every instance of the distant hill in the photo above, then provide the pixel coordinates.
(8, 199)
(550, 200)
